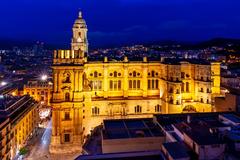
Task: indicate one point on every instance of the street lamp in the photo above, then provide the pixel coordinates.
(44, 77)
(3, 83)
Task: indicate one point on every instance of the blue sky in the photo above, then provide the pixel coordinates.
(120, 21)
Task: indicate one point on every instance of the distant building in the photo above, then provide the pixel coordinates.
(9, 89)
(39, 90)
(18, 121)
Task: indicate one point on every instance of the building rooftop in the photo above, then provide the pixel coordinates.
(13, 106)
(177, 61)
(231, 117)
(150, 155)
(200, 133)
(130, 128)
(176, 150)
(210, 119)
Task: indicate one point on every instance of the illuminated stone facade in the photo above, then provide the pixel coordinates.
(39, 90)
(86, 92)
(18, 121)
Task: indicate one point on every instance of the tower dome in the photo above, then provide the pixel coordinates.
(80, 22)
(79, 39)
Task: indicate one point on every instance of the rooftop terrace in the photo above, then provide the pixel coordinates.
(134, 128)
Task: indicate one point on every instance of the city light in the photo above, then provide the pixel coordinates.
(44, 77)
(3, 83)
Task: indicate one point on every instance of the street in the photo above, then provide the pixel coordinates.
(40, 148)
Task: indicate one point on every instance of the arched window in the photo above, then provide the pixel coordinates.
(115, 74)
(153, 73)
(95, 74)
(189, 108)
(182, 87)
(67, 78)
(134, 73)
(67, 96)
(158, 108)
(95, 111)
(187, 86)
(138, 109)
(207, 100)
(208, 90)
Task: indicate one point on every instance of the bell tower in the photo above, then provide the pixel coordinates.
(79, 39)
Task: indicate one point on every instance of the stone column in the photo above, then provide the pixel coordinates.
(80, 81)
(54, 122)
(54, 82)
(74, 81)
(145, 81)
(125, 81)
(105, 82)
(58, 81)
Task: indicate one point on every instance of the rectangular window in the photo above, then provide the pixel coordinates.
(115, 85)
(66, 137)
(149, 84)
(138, 84)
(187, 86)
(130, 84)
(156, 84)
(96, 85)
(67, 116)
(153, 84)
(111, 85)
(119, 85)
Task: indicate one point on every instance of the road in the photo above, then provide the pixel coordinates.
(40, 150)
(40, 147)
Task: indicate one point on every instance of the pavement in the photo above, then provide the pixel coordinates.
(39, 150)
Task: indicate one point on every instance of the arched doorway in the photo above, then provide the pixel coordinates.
(189, 109)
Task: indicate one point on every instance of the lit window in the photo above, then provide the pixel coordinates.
(182, 87)
(95, 74)
(134, 73)
(158, 108)
(95, 111)
(67, 96)
(96, 85)
(66, 137)
(187, 86)
(67, 116)
(138, 109)
(115, 85)
(134, 84)
(115, 74)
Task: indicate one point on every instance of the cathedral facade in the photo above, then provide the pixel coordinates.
(87, 92)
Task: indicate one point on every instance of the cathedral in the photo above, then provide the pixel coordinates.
(87, 92)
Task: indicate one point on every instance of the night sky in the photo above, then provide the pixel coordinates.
(113, 22)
